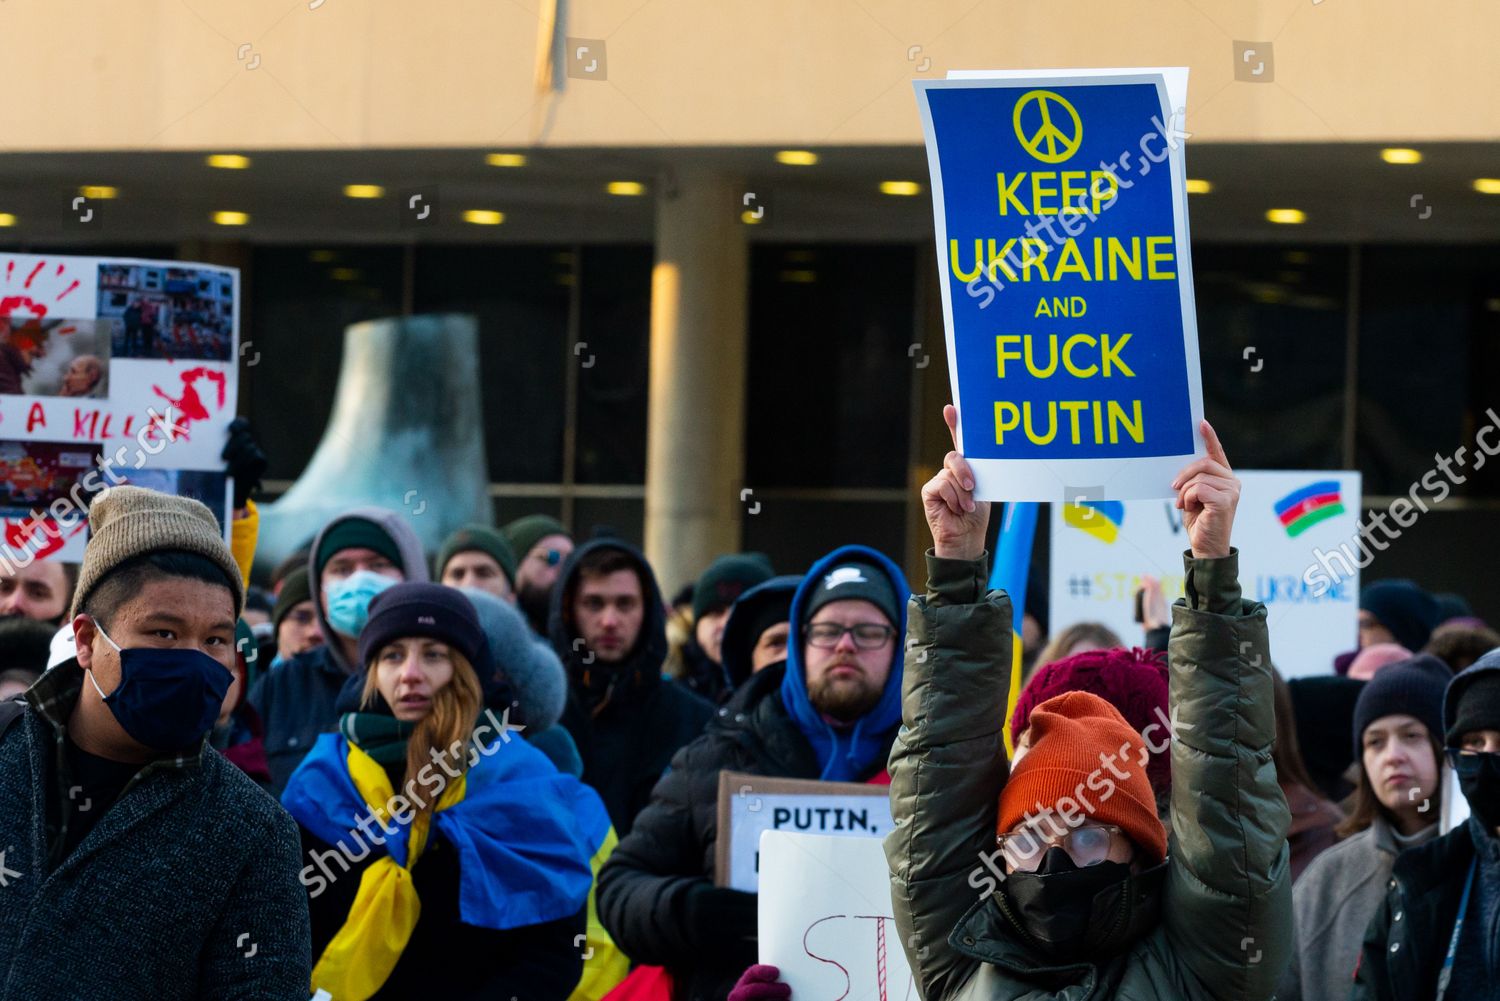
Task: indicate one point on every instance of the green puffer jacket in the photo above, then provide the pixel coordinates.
(1226, 918)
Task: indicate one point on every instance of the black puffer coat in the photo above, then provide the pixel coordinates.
(652, 889)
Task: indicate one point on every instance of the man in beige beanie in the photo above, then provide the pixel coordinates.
(134, 840)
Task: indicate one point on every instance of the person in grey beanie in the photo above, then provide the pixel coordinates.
(135, 861)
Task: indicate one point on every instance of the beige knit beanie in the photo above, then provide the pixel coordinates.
(130, 521)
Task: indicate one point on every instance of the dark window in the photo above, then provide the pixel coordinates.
(520, 296)
(829, 386)
(615, 325)
(1272, 330)
(302, 299)
(1429, 355)
(795, 533)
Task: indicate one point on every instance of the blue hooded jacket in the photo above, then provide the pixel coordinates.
(845, 754)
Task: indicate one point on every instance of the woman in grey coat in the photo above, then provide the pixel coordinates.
(1398, 730)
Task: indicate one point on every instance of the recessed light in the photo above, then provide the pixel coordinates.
(1286, 217)
(484, 217)
(797, 157)
(900, 188)
(506, 159)
(322, 256)
(630, 188)
(103, 192)
(1396, 154)
(344, 274)
(1198, 186)
(7, 219)
(230, 218)
(799, 276)
(363, 191)
(227, 161)
(1487, 185)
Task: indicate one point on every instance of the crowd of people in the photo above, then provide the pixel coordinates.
(494, 773)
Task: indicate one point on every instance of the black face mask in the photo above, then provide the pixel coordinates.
(1479, 778)
(1073, 914)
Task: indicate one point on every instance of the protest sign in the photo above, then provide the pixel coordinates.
(826, 921)
(111, 371)
(1100, 551)
(1062, 235)
(752, 804)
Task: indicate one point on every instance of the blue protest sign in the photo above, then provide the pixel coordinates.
(1061, 219)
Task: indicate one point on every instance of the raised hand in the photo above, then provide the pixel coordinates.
(1207, 494)
(957, 521)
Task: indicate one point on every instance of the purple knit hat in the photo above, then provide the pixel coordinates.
(1133, 681)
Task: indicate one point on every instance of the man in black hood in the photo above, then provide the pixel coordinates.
(608, 625)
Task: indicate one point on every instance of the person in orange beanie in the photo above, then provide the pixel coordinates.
(1079, 891)
(1082, 895)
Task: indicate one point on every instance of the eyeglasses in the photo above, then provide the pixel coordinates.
(867, 635)
(1025, 849)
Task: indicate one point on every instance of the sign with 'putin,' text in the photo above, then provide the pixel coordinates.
(1062, 236)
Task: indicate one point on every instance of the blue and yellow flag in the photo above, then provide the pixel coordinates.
(1012, 566)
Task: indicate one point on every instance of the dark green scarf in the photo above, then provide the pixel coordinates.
(379, 735)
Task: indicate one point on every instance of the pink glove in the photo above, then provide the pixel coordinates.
(760, 983)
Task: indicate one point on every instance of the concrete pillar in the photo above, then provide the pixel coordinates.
(695, 433)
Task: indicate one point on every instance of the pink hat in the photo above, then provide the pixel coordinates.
(1134, 682)
(1375, 656)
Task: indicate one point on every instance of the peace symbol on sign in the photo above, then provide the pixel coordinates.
(1048, 143)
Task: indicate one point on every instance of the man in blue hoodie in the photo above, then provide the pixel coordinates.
(830, 712)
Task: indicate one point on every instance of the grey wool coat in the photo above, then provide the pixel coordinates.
(187, 888)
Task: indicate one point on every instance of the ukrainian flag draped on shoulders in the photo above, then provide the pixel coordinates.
(524, 834)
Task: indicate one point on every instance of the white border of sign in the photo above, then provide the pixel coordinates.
(1054, 479)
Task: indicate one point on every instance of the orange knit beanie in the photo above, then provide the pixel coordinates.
(1085, 763)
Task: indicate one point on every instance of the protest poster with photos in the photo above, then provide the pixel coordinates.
(112, 371)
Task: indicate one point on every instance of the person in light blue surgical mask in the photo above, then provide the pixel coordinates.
(355, 557)
(120, 818)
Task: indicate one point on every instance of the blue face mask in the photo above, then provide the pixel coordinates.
(349, 600)
(167, 699)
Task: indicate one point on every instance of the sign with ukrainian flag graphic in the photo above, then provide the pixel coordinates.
(1293, 530)
(1060, 205)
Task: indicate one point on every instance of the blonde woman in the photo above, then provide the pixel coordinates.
(444, 856)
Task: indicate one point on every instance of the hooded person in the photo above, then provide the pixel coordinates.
(1398, 740)
(608, 627)
(356, 556)
(1435, 931)
(1074, 868)
(758, 627)
(830, 711)
(443, 856)
(717, 589)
